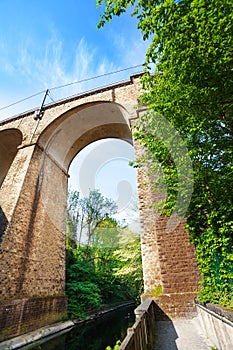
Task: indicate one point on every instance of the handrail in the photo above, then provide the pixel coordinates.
(141, 334)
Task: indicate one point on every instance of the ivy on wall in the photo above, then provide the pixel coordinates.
(189, 82)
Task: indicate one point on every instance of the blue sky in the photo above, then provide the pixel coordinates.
(45, 44)
(105, 165)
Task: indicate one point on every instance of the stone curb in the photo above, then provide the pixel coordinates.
(34, 336)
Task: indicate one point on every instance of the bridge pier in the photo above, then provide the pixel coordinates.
(33, 244)
(170, 270)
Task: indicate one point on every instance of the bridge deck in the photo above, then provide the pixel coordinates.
(180, 334)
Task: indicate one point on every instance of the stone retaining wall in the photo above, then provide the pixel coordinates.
(24, 315)
(217, 324)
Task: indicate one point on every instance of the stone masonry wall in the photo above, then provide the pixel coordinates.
(33, 247)
(24, 315)
(125, 93)
(32, 260)
(149, 247)
(179, 272)
(18, 211)
(170, 270)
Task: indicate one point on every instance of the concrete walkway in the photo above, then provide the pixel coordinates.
(180, 334)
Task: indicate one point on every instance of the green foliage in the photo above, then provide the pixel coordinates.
(106, 233)
(158, 290)
(85, 214)
(72, 218)
(96, 208)
(96, 275)
(191, 87)
(83, 293)
(116, 346)
(128, 256)
(108, 268)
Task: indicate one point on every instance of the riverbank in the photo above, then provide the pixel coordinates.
(57, 328)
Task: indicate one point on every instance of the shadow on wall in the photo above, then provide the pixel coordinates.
(3, 224)
(165, 333)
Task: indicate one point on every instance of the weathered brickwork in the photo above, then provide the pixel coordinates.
(169, 263)
(33, 205)
(33, 238)
(24, 315)
(179, 271)
(177, 305)
(150, 253)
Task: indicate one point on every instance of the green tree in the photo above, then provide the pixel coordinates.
(72, 218)
(81, 284)
(190, 84)
(98, 275)
(95, 209)
(103, 273)
(106, 233)
(128, 255)
(84, 215)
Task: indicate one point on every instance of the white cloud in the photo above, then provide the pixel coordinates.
(8, 68)
(131, 48)
(53, 66)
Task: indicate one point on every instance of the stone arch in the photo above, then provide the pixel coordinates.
(10, 139)
(59, 143)
(44, 191)
(82, 125)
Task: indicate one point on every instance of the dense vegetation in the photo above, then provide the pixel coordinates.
(106, 268)
(189, 82)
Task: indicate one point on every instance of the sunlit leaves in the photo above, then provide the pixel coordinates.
(103, 274)
(85, 214)
(191, 85)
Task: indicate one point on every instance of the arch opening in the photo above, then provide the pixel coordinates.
(104, 165)
(66, 136)
(82, 125)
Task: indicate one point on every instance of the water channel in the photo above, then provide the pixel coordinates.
(94, 335)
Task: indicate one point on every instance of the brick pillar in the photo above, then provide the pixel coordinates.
(169, 265)
(149, 247)
(179, 271)
(32, 262)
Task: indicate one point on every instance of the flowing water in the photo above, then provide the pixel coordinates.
(96, 335)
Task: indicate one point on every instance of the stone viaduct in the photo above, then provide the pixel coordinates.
(34, 161)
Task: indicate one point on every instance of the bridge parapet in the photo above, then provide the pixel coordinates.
(141, 334)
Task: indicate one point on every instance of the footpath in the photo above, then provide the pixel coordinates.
(180, 334)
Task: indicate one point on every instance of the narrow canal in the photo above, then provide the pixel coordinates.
(95, 335)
